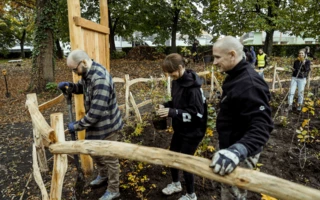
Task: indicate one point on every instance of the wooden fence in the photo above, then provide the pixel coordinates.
(53, 137)
(276, 79)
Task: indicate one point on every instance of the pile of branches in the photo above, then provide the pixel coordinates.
(144, 53)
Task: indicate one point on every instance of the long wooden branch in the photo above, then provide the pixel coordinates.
(51, 103)
(244, 178)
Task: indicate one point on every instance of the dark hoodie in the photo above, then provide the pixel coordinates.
(187, 107)
(245, 114)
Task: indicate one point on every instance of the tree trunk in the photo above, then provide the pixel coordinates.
(269, 43)
(59, 52)
(174, 31)
(42, 55)
(112, 31)
(23, 38)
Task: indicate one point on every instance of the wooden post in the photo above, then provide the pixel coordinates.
(127, 92)
(274, 76)
(169, 85)
(309, 77)
(279, 82)
(212, 84)
(104, 20)
(60, 162)
(135, 107)
(37, 138)
(37, 174)
(244, 178)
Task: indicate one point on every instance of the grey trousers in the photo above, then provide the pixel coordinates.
(229, 192)
(109, 166)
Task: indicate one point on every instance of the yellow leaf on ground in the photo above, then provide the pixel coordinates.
(304, 109)
(266, 197)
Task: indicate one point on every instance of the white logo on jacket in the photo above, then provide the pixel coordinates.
(186, 117)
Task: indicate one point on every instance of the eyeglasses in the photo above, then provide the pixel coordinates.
(76, 69)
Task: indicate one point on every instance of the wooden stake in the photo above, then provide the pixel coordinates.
(37, 174)
(60, 161)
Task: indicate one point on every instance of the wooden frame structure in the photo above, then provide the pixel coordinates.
(94, 39)
(54, 138)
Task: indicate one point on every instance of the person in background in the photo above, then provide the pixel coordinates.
(301, 68)
(194, 51)
(244, 120)
(261, 62)
(248, 56)
(308, 54)
(254, 57)
(102, 119)
(188, 110)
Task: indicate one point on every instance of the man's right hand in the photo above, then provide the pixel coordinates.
(62, 85)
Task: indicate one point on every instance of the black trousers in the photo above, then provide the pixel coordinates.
(187, 146)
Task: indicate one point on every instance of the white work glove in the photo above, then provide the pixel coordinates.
(226, 160)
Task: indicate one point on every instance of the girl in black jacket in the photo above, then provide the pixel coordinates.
(188, 111)
(301, 68)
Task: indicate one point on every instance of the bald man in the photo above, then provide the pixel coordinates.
(102, 120)
(244, 121)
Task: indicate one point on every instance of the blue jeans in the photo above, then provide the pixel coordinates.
(301, 83)
(260, 72)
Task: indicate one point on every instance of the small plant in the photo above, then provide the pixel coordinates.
(52, 87)
(136, 181)
(185, 51)
(158, 95)
(283, 121)
(305, 133)
(205, 145)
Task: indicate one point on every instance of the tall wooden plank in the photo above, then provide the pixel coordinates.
(76, 42)
(104, 20)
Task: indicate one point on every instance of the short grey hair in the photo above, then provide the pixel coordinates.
(77, 56)
(230, 43)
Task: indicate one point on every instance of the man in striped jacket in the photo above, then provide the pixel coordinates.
(102, 120)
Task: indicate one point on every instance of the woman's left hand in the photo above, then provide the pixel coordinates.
(163, 112)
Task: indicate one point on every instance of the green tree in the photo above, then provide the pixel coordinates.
(43, 52)
(161, 18)
(167, 18)
(21, 17)
(235, 18)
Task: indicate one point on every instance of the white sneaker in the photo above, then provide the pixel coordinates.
(188, 197)
(110, 195)
(99, 180)
(172, 188)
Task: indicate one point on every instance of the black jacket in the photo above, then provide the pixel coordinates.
(187, 107)
(305, 68)
(245, 114)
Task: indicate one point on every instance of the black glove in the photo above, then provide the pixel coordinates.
(226, 160)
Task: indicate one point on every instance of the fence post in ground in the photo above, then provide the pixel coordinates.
(127, 92)
(169, 85)
(309, 77)
(60, 161)
(135, 108)
(37, 138)
(274, 76)
(37, 174)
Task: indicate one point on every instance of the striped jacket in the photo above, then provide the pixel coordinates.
(102, 113)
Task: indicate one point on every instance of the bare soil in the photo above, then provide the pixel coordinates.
(283, 156)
